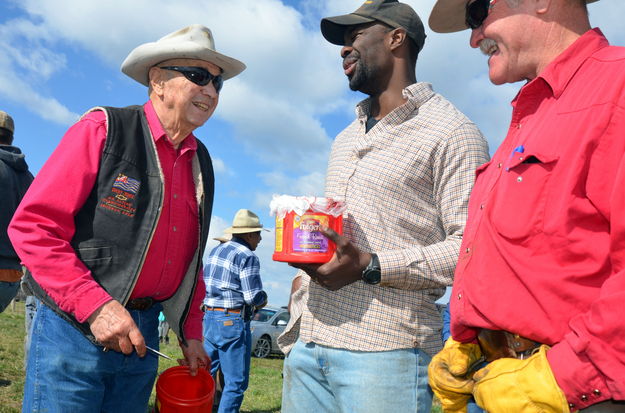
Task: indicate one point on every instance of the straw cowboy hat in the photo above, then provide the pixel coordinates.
(245, 221)
(448, 16)
(223, 238)
(192, 42)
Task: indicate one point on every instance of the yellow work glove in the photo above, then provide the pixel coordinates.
(520, 386)
(450, 374)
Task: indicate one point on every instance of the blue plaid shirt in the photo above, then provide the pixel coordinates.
(232, 276)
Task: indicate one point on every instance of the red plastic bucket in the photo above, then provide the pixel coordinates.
(177, 391)
(298, 238)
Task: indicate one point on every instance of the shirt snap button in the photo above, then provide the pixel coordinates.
(519, 179)
(596, 392)
(584, 397)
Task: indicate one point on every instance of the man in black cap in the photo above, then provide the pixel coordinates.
(363, 331)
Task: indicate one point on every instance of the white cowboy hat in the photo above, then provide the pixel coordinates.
(245, 221)
(448, 16)
(192, 42)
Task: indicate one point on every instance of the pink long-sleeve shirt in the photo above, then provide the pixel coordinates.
(43, 225)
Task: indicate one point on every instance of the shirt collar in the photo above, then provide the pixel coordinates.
(417, 94)
(560, 71)
(158, 132)
(240, 241)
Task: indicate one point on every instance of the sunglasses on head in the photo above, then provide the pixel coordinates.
(477, 12)
(198, 75)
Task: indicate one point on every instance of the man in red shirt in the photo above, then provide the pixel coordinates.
(113, 229)
(540, 281)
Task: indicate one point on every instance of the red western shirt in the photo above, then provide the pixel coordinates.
(43, 225)
(543, 253)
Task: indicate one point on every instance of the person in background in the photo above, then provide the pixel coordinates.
(233, 291)
(163, 329)
(15, 178)
(540, 281)
(113, 231)
(365, 324)
(218, 375)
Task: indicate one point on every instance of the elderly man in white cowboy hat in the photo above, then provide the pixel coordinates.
(540, 282)
(233, 290)
(113, 230)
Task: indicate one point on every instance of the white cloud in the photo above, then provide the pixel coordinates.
(27, 64)
(220, 168)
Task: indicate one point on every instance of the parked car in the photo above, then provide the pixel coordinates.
(266, 325)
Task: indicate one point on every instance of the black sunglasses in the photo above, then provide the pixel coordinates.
(477, 12)
(198, 75)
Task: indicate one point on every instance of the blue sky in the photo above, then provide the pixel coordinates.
(272, 131)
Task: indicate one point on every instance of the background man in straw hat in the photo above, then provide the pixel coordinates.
(368, 323)
(14, 181)
(113, 229)
(233, 290)
(541, 275)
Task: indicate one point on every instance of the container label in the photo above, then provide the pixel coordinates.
(279, 232)
(306, 235)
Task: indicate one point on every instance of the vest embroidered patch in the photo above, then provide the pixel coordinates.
(122, 197)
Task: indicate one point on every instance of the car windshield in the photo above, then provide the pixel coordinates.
(263, 315)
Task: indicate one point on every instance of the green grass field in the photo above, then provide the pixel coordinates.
(263, 395)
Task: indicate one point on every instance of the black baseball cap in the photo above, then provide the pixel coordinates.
(390, 12)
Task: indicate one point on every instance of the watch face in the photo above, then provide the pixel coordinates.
(372, 275)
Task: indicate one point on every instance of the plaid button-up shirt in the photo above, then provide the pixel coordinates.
(406, 184)
(232, 276)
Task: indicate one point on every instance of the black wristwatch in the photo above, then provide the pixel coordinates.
(372, 272)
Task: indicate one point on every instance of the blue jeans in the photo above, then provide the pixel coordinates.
(67, 373)
(321, 379)
(228, 342)
(8, 291)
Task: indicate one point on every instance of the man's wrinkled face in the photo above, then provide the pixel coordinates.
(189, 104)
(505, 36)
(365, 56)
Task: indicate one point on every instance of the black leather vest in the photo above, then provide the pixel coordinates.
(115, 225)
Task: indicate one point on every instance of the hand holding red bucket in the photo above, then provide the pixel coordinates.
(298, 220)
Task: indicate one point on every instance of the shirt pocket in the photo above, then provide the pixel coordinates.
(520, 197)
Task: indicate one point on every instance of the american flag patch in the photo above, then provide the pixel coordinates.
(126, 183)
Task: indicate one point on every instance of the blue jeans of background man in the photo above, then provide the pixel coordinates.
(67, 373)
(228, 342)
(320, 379)
(8, 291)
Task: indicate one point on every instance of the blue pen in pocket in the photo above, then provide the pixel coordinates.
(518, 149)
